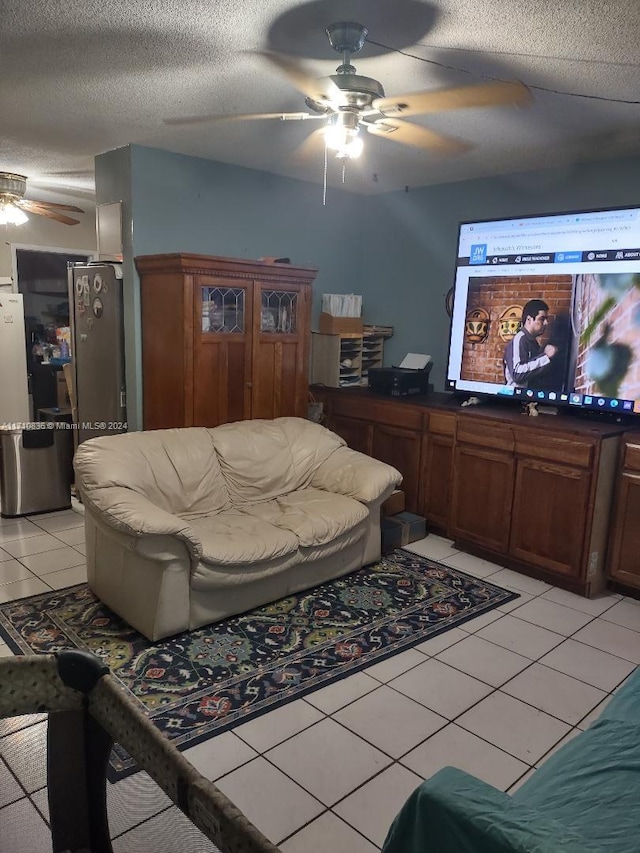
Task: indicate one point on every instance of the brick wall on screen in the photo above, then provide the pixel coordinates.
(622, 331)
(482, 362)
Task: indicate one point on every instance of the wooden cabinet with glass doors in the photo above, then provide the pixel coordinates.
(222, 339)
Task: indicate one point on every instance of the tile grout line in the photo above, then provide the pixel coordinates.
(9, 769)
(330, 811)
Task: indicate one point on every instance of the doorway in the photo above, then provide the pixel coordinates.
(40, 275)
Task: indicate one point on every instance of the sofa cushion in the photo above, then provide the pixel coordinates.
(234, 538)
(175, 469)
(261, 459)
(348, 472)
(313, 516)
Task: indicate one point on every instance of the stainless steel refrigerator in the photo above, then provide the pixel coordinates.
(97, 348)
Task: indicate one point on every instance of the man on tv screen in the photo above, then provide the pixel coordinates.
(526, 361)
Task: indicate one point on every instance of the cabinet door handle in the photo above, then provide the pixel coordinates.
(249, 384)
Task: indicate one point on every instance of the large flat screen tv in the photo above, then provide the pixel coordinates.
(547, 309)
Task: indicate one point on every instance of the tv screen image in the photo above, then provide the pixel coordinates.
(548, 309)
(485, 361)
(608, 351)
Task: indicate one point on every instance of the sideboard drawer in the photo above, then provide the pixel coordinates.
(442, 424)
(485, 434)
(632, 457)
(378, 411)
(555, 448)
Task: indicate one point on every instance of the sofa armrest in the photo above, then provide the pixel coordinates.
(134, 515)
(348, 472)
(453, 812)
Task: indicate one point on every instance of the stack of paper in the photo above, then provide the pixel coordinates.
(342, 304)
(415, 361)
(381, 331)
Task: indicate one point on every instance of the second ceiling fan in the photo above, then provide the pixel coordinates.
(13, 204)
(349, 102)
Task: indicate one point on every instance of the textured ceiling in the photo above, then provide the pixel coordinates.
(84, 76)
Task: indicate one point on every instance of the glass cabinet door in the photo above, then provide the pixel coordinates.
(223, 309)
(279, 312)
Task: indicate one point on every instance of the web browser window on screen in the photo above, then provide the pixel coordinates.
(547, 308)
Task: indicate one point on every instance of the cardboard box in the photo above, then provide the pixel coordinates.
(401, 529)
(330, 325)
(393, 504)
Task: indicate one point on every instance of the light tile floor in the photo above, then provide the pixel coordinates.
(329, 772)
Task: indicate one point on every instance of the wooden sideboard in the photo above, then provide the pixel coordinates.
(534, 494)
(624, 563)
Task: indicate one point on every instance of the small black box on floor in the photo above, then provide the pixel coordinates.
(401, 529)
(391, 535)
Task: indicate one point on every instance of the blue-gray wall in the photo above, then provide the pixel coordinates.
(397, 249)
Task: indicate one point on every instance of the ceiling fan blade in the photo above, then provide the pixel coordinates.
(478, 95)
(33, 207)
(240, 117)
(52, 204)
(323, 89)
(418, 136)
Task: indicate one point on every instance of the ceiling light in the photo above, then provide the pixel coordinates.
(342, 136)
(10, 214)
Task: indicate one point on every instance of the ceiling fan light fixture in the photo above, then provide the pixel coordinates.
(10, 214)
(342, 136)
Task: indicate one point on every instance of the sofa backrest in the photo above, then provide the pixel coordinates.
(198, 471)
(263, 459)
(176, 469)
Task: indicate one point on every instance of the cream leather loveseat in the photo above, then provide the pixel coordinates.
(188, 526)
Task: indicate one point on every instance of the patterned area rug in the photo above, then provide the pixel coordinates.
(198, 684)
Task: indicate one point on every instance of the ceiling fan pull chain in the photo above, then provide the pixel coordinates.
(324, 179)
(344, 172)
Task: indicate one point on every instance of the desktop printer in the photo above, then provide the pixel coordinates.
(408, 378)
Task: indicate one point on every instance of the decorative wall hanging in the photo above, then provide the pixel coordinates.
(510, 321)
(476, 326)
(448, 302)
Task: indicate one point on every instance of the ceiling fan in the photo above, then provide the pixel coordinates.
(349, 102)
(13, 205)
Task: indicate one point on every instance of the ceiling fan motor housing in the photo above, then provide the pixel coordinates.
(357, 92)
